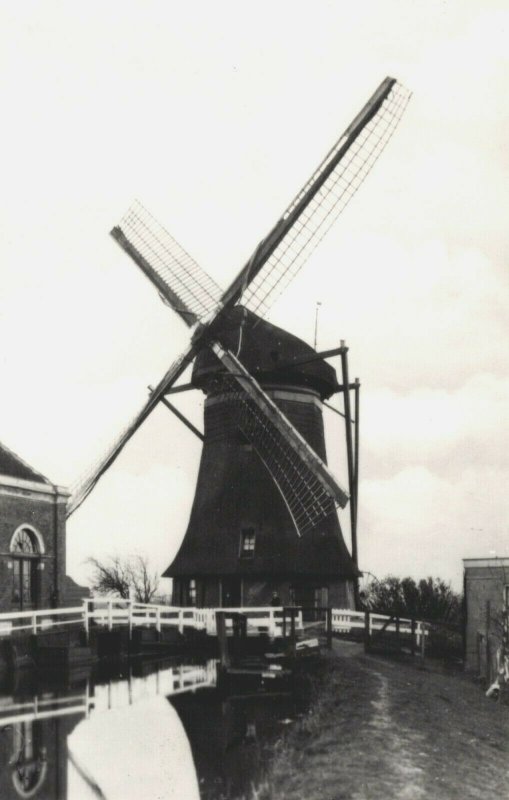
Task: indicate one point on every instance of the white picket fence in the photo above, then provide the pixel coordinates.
(113, 612)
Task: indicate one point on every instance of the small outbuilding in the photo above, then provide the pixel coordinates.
(486, 582)
(32, 539)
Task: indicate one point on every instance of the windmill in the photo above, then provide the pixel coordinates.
(304, 484)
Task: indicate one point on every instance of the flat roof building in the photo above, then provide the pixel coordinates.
(486, 585)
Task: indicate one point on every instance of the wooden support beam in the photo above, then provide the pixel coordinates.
(180, 416)
(184, 387)
(350, 460)
(356, 454)
(319, 355)
(336, 410)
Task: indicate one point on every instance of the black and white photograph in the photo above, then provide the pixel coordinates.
(254, 406)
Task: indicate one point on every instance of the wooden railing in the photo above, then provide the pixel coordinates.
(113, 612)
(346, 620)
(45, 708)
(40, 620)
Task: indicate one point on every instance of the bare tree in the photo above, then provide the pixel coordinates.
(123, 577)
(143, 581)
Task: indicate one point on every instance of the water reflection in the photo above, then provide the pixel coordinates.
(157, 730)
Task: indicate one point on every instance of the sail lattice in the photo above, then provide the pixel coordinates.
(305, 496)
(318, 215)
(182, 282)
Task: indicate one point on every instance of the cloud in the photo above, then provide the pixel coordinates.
(442, 430)
(215, 127)
(417, 523)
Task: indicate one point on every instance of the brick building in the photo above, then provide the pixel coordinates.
(32, 539)
(486, 583)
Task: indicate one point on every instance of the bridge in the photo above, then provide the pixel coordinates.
(112, 613)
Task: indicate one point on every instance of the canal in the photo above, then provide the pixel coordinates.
(150, 730)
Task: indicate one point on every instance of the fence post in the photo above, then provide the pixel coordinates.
(329, 628)
(423, 640)
(367, 630)
(110, 614)
(398, 644)
(293, 638)
(85, 621)
(158, 619)
(34, 623)
(181, 621)
(130, 619)
(412, 638)
(222, 639)
(284, 622)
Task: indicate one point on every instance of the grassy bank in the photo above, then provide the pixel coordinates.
(382, 729)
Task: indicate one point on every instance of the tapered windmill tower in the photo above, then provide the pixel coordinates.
(245, 541)
(264, 513)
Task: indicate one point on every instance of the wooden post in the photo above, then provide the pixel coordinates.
(85, 621)
(398, 643)
(222, 639)
(158, 619)
(412, 638)
(367, 631)
(34, 623)
(350, 460)
(130, 619)
(329, 628)
(293, 638)
(110, 614)
(423, 640)
(284, 622)
(356, 453)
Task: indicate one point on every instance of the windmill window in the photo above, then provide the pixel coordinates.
(191, 593)
(247, 543)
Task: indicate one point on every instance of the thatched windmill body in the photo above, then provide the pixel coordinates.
(264, 514)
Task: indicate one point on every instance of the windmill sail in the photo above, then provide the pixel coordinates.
(306, 483)
(181, 282)
(276, 260)
(84, 485)
(279, 256)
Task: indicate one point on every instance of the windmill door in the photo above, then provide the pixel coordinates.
(231, 593)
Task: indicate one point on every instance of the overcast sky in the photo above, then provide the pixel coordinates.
(214, 115)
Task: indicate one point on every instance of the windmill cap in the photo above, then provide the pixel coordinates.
(265, 350)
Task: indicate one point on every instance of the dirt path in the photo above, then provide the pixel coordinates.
(385, 730)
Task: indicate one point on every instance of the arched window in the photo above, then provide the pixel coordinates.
(24, 542)
(26, 547)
